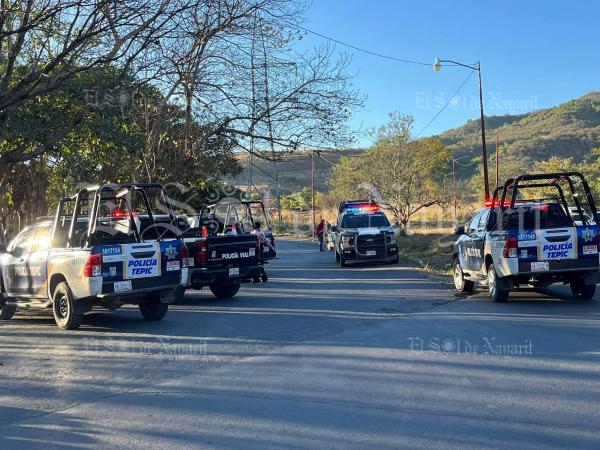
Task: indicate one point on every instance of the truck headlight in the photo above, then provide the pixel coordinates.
(347, 241)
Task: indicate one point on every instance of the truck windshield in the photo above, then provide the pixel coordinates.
(365, 221)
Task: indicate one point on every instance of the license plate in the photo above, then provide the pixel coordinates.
(541, 266)
(371, 253)
(234, 271)
(172, 265)
(122, 286)
(590, 249)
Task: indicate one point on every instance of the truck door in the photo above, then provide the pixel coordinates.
(15, 274)
(478, 241)
(469, 242)
(37, 259)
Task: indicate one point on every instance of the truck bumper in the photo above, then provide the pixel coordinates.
(387, 254)
(559, 272)
(167, 295)
(198, 278)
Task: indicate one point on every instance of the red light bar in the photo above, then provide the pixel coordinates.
(119, 214)
(489, 203)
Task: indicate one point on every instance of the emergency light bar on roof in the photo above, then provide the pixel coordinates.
(356, 205)
(363, 208)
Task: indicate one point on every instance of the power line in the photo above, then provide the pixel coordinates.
(446, 104)
(369, 52)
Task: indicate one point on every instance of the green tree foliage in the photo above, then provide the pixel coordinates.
(407, 175)
(300, 201)
(107, 145)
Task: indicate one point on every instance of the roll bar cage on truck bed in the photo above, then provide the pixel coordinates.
(122, 196)
(536, 181)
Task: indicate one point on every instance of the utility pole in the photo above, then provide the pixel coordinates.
(486, 180)
(314, 218)
(270, 129)
(497, 159)
(253, 81)
(454, 188)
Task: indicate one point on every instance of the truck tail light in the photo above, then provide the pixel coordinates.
(202, 256)
(93, 266)
(204, 231)
(185, 255)
(510, 247)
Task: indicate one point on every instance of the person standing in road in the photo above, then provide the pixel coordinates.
(321, 234)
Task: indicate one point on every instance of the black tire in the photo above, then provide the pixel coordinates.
(226, 290)
(460, 284)
(6, 310)
(497, 295)
(582, 291)
(68, 312)
(153, 309)
(342, 261)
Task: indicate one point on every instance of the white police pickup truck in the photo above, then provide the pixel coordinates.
(92, 253)
(515, 242)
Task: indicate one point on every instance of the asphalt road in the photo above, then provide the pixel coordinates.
(320, 357)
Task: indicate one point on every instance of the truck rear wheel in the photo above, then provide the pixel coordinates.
(460, 284)
(581, 290)
(497, 295)
(6, 310)
(225, 290)
(153, 309)
(68, 312)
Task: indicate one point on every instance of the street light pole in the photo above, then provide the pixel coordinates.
(486, 179)
(313, 193)
(437, 66)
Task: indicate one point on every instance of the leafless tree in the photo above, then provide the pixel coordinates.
(45, 43)
(201, 55)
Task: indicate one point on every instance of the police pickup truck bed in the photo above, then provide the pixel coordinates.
(220, 261)
(92, 258)
(517, 242)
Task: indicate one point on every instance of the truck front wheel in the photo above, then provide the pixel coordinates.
(225, 290)
(498, 295)
(6, 310)
(68, 312)
(581, 290)
(153, 309)
(460, 284)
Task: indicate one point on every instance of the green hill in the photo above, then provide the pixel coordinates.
(569, 129)
(294, 171)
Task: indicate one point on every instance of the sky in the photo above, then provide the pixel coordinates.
(533, 54)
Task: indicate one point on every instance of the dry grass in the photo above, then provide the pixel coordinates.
(427, 250)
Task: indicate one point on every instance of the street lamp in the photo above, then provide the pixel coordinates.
(437, 66)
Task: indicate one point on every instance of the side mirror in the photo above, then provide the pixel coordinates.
(334, 228)
(459, 231)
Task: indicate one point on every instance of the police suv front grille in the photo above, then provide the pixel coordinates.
(370, 242)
